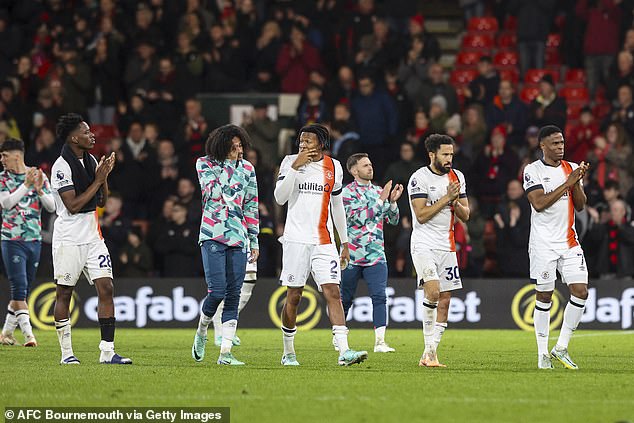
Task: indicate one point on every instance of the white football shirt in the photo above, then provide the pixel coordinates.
(70, 229)
(554, 227)
(438, 232)
(308, 220)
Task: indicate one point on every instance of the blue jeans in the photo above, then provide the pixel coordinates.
(376, 278)
(21, 259)
(225, 268)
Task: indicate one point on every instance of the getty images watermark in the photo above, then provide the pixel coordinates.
(116, 414)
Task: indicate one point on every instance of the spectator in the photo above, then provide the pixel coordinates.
(601, 42)
(413, 69)
(622, 75)
(295, 61)
(345, 143)
(159, 226)
(431, 50)
(75, 80)
(188, 196)
(194, 132)
(312, 109)
(581, 136)
(417, 135)
(43, 151)
(375, 116)
(474, 131)
(475, 238)
(404, 108)
(178, 244)
(135, 257)
(224, 70)
(189, 67)
(10, 42)
(508, 110)
(135, 111)
(356, 25)
(616, 243)
(435, 85)
(114, 225)
(105, 76)
(268, 45)
(342, 88)
(548, 108)
(141, 69)
(486, 85)
(378, 50)
(438, 114)
(619, 155)
(512, 226)
(493, 170)
(531, 150)
(533, 25)
(400, 171)
(622, 111)
(264, 133)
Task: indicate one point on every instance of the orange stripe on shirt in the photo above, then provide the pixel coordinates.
(329, 179)
(453, 177)
(571, 237)
(98, 226)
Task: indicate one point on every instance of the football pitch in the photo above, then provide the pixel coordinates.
(491, 377)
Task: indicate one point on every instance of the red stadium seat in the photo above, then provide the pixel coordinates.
(462, 76)
(510, 24)
(574, 110)
(505, 59)
(575, 94)
(601, 110)
(529, 93)
(509, 74)
(482, 24)
(534, 75)
(507, 40)
(477, 41)
(575, 77)
(553, 41)
(467, 58)
(552, 58)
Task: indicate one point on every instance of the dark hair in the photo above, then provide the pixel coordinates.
(12, 144)
(340, 126)
(323, 136)
(486, 59)
(409, 144)
(611, 184)
(547, 131)
(434, 141)
(219, 142)
(354, 159)
(66, 124)
(178, 203)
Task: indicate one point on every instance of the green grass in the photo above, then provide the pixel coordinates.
(492, 377)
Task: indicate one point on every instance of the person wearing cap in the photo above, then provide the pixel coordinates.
(548, 108)
(431, 51)
(23, 192)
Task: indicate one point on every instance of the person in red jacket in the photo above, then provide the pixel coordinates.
(601, 41)
(296, 60)
(582, 136)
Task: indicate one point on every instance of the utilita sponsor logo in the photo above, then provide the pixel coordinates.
(408, 309)
(312, 186)
(144, 307)
(610, 309)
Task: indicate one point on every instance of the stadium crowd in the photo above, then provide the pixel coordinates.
(368, 69)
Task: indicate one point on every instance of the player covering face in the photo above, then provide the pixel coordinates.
(310, 183)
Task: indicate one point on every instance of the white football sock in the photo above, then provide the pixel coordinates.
(217, 319)
(107, 350)
(228, 332)
(379, 335)
(439, 330)
(541, 321)
(245, 294)
(64, 337)
(203, 324)
(10, 322)
(430, 310)
(22, 316)
(288, 336)
(572, 316)
(341, 336)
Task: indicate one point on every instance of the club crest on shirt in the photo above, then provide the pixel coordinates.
(545, 275)
(291, 278)
(329, 175)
